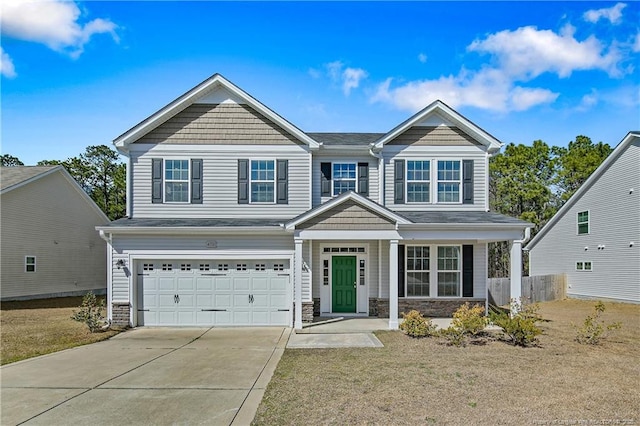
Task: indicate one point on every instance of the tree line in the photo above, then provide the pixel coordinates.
(530, 182)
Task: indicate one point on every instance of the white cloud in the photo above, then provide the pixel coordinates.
(528, 52)
(588, 101)
(348, 77)
(636, 44)
(6, 65)
(422, 58)
(487, 89)
(613, 14)
(54, 23)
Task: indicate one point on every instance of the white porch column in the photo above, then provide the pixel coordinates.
(516, 275)
(393, 285)
(297, 284)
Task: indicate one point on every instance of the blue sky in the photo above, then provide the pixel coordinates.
(79, 74)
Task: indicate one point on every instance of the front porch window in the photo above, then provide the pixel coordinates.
(449, 272)
(418, 270)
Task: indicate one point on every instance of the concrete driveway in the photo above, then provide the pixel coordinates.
(147, 376)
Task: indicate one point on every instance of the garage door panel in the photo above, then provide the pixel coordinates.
(233, 293)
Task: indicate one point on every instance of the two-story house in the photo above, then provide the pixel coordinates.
(238, 217)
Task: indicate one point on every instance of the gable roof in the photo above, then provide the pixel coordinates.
(440, 108)
(15, 177)
(630, 137)
(201, 90)
(351, 139)
(342, 198)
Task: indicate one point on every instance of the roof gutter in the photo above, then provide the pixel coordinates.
(174, 230)
(474, 226)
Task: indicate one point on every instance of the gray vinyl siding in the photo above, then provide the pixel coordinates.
(50, 219)
(425, 153)
(220, 187)
(348, 216)
(614, 220)
(374, 174)
(226, 124)
(124, 246)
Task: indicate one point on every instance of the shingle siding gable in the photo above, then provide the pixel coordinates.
(435, 136)
(233, 124)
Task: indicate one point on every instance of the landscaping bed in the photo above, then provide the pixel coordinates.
(38, 327)
(425, 381)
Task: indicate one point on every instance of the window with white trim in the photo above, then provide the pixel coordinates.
(262, 181)
(583, 222)
(449, 271)
(29, 263)
(449, 181)
(418, 181)
(176, 181)
(418, 271)
(344, 177)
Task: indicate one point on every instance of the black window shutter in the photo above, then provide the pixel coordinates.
(400, 270)
(243, 181)
(196, 181)
(398, 181)
(467, 271)
(325, 179)
(282, 181)
(467, 181)
(363, 179)
(156, 180)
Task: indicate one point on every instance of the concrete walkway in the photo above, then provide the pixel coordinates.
(147, 376)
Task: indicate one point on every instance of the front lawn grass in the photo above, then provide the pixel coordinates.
(37, 327)
(423, 381)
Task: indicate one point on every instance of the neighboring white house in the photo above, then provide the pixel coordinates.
(238, 217)
(595, 237)
(48, 240)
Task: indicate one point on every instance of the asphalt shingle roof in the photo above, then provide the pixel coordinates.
(174, 223)
(10, 176)
(460, 217)
(356, 139)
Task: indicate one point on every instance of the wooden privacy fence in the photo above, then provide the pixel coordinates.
(540, 288)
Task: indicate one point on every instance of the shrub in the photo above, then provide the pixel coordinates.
(593, 328)
(415, 325)
(91, 312)
(467, 322)
(521, 328)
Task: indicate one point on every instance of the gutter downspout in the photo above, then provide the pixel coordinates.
(109, 241)
(380, 174)
(516, 303)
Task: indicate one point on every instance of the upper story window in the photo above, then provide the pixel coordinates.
(583, 223)
(176, 181)
(418, 181)
(449, 180)
(29, 263)
(262, 181)
(344, 177)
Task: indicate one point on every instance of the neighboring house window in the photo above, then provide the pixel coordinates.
(418, 269)
(449, 271)
(418, 181)
(344, 177)
(29, 263)
(583, 223)
(449, 181)
(176, 181)
(262, 181)
(584, 266)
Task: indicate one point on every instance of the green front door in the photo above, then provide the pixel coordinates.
(343, 274)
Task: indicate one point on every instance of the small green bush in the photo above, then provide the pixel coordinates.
(470, 320)
(521, 328)
(415, 325)
(454, 336)
(91, 312)
(593, 328)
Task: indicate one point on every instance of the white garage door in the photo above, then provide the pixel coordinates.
(213, 292)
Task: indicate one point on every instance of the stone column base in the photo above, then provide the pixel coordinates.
(120, 314)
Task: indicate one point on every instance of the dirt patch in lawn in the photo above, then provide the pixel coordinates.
(423, 381)
(39, 327)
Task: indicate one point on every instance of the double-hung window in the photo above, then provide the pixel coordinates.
(418, 181)
(449, 271)
(418, 270)
(583, 223)
(449, 181)
(344, 177)
(263, 181)
(176, 181)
